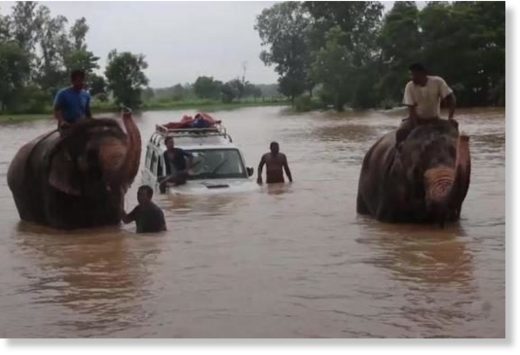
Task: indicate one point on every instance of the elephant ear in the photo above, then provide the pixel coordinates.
(61, 175)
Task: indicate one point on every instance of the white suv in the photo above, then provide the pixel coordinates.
(218, 165)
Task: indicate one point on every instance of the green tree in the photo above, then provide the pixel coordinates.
(465, 43)
(251, 90)
(5, 26)
(125, 77)
(50, 75)
(400, 44)
(97, 84)
(283, 28)
(232, 90)
(81, 59)
(14, 69)
(147, 94)
(25, 24)
(333, 68)
(207, 88)
(78, 33)
(178, 92)
(343, 40)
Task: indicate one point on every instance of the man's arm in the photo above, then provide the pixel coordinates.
(448, 96)
(260, 167)
(286, 168)
(188, 155)
(412, 113)
(58, 104)
(167, 168)
(87, 109)
(451, 102)
(127, 218)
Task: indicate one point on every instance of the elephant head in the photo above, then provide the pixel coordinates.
(434, 161)
(96, 156)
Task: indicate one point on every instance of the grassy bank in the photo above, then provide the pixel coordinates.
(199, 105)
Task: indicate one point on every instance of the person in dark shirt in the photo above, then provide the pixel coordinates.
(178, 163)
(72, 104)
(148, 217)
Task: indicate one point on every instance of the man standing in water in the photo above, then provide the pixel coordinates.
(148, 217)
(72, 104)
(274, 161)
(423, 96)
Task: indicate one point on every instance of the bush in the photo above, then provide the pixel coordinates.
(306, 103)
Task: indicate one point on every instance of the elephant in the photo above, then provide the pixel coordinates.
(78, 178)
(422, 179)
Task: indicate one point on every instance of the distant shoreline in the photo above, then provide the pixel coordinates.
(96, 109)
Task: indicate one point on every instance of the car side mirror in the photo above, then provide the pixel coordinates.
(250, 171)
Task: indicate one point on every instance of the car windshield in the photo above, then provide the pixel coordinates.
(217, 164)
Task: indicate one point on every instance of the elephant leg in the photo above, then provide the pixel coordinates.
(361, 206)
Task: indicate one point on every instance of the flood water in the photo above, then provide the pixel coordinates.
(282, 261)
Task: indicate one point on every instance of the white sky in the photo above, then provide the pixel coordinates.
(181, 40)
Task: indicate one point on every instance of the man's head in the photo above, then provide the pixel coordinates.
(418, 73)
(169, 143)
(275, 148)
(77, 79)
(144, 194)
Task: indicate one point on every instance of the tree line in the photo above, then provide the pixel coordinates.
(208, 88)
(350, 53)
(38, 51)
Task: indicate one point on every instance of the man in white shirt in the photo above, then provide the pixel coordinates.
(423, 96)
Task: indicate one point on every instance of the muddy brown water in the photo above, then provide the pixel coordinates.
(283, 261)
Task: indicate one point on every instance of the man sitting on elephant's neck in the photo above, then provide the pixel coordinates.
(423, 96)
(72, 104)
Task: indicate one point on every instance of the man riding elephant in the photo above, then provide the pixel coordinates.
(76, 180)
(72, 104)
(421, 172)
(422, 96)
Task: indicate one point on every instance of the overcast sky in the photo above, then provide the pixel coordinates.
(181, 40)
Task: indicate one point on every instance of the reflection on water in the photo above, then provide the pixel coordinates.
(285, 260)
(420, 254)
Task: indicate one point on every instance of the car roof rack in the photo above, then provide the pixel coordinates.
(216, 130)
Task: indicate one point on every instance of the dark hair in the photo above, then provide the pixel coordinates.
(77, 73)
(168, 139)
(417, 67)
(147, 189)
(274, 143)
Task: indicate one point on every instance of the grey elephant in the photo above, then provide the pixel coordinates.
(423, 179)
(77, 179)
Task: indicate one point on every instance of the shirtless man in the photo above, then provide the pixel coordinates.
(275, 161)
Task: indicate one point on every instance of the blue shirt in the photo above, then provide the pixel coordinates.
(74, 105)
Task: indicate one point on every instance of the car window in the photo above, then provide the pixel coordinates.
(217, 164)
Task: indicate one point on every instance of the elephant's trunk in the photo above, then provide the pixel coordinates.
(438, 184)
(462, 174)
(130, 166)
(112, 156)
(446, 187)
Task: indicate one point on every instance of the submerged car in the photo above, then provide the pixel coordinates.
(218, 164)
